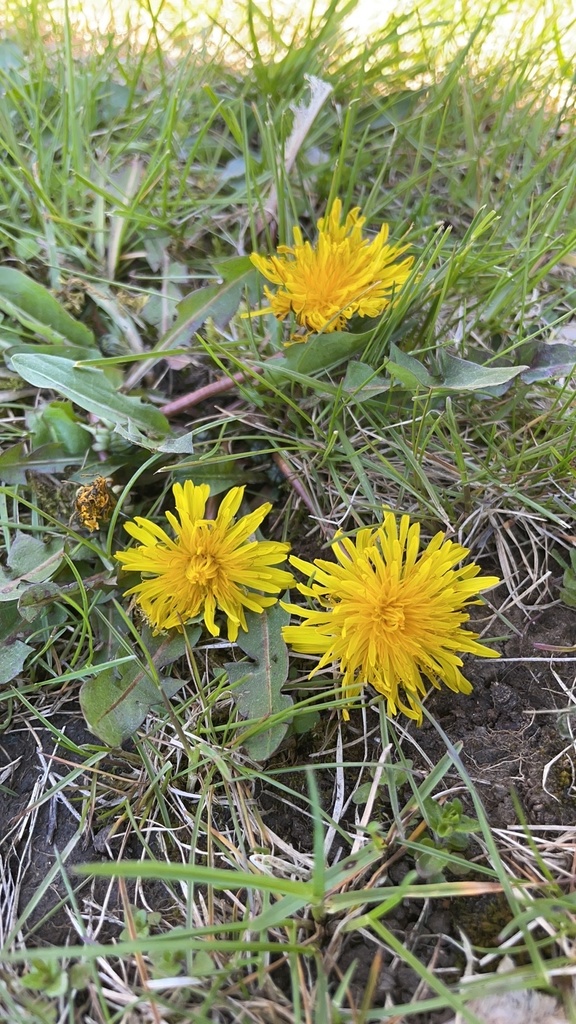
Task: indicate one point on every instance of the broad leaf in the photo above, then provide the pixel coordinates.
(218, 301)
(57, 422)
(462, 375)
(408, 371)
(12, 658)
(11, 56)
(15, 462)
(557, 359)
(36, 309)
(30, 561)
(68, 351)
(362, 382)
(323, 351)
(10, 624)
(113, 99)
(454, 374)
(34, 598)
(89, 388)
(259, 682)
(115, 702)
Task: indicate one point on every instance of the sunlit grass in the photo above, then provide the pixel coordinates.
(508, 31)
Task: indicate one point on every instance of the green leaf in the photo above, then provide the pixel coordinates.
(58, 422)
(430, 861)
(75, 352)
(10, 624)
(305, 721)
(568, 596)
(113, 99)
(550, 360)
(362, 382)
(448, 819)
(13, 464)
(30, 561)
(462, 375)
(323, 351)
(115, 702)
(12, 658)
(218, 301)
(89, 388)
(237, 268)
(408, 371)
(32, 600)
(50, 979)
(48, 458)
(156, 247)
(37, 309)
(27, 249)
(11, 55)
(360, 795)
(258, 691)
(455, 374)
(79, 975)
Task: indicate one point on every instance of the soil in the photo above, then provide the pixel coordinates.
(35, 831)
(510, 729)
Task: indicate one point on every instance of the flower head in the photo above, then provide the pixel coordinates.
(211, 565)
(390, 615)
(342, 275)
(94, 503)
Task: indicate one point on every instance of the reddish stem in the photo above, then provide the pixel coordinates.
(217, 387)
(294, 482)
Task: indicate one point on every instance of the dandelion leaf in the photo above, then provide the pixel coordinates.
(29, 561)
(17, 461)
(66, 350)
(57, 422)
(13, 464)
(12, 658)
(90, 388)
(550, 360)
(258, 683)
(182, 444)
(463, 375)
(455, 374)
(116, 701)
(36, 309)
(362, 382)
(219, 302)
(408, 371)
(322, 351)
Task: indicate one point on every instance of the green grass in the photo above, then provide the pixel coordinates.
(140, 167)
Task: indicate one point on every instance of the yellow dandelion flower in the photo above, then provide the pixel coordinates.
(211, 565)
(389, 615)
(342, 275)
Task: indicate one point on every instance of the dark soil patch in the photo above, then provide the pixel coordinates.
(35, 831)
(511, 727)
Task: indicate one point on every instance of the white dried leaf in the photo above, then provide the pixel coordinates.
(304, 116)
